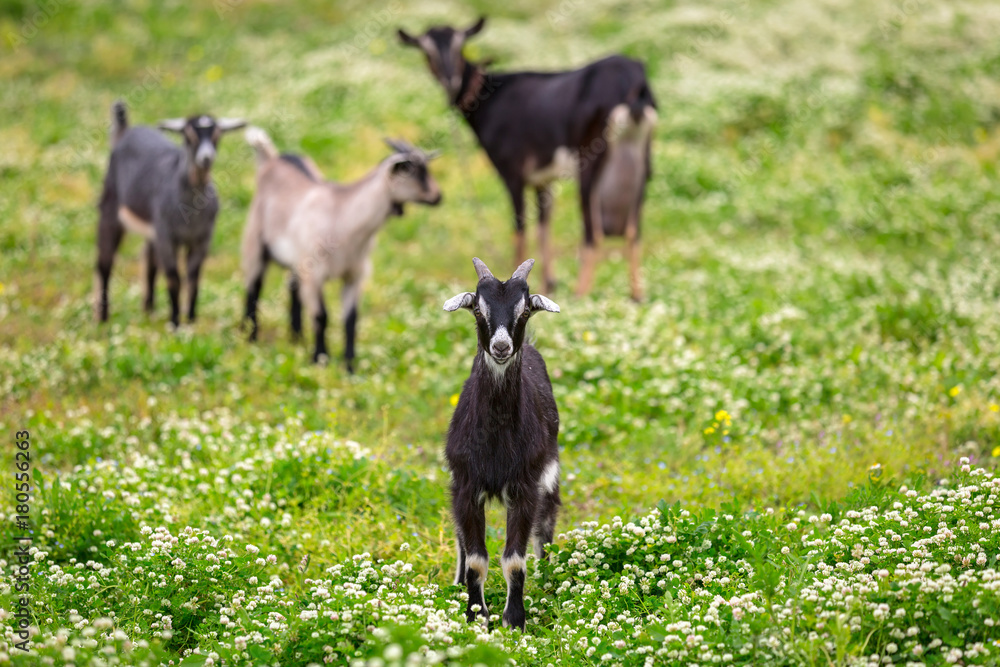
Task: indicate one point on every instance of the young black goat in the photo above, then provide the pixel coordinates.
(594, 123)
(502, 439)
(162, 192)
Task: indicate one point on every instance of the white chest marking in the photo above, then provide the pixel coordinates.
(564, 164)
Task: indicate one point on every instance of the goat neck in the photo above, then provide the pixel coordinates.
(473, 81)
(198, 178)
(371, 194)
(501, 384)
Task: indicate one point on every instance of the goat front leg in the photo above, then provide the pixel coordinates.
(350, 296)
(149, 256)
(166, 253)
(195, 258)
(516, 188)
(544, 196)
(520, 516)
(470, 522)
(295, 307)
(592, 231)
(311, 292)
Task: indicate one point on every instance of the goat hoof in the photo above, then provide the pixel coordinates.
(637, 297)
(514, 620)
(321, 358)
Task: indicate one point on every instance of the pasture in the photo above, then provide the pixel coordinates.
(784, 455)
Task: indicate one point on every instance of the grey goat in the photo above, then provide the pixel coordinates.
(163, 192)
(322, 230)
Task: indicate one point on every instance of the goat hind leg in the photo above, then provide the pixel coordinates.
(254, 278)
(545, 522)
(634, 259)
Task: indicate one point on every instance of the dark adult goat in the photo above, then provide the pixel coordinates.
(163, 192)
(595, 122)
(502, 439)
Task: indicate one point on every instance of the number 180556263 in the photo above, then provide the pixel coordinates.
(22, 477)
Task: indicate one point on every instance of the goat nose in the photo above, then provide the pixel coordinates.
(501, 348)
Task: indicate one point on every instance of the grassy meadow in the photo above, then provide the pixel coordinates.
(784, 455)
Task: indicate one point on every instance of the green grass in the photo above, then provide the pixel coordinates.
(820, 257)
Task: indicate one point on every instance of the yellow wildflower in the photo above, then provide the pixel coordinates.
(722, 415)
(847, 419)
(709, 431)
(589, 337)
(996, 452)
(454, 400)
(213, 74)
(955, 391)
(993, 406)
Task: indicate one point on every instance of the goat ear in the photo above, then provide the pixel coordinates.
(172, 124)
(539, 302)
(461, 300)
(403, 164)
(230, 124)
(407, 39)
(475, 28)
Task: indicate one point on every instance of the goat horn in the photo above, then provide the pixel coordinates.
(523, 270)
(482, 271)
(398, 145)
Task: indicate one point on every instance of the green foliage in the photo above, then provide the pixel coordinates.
(821, 329)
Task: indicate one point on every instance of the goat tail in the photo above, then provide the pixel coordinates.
(261, 143)
(119, 121)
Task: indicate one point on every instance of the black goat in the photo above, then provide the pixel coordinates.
(502, 439)
(595, 122)
(163, 192)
